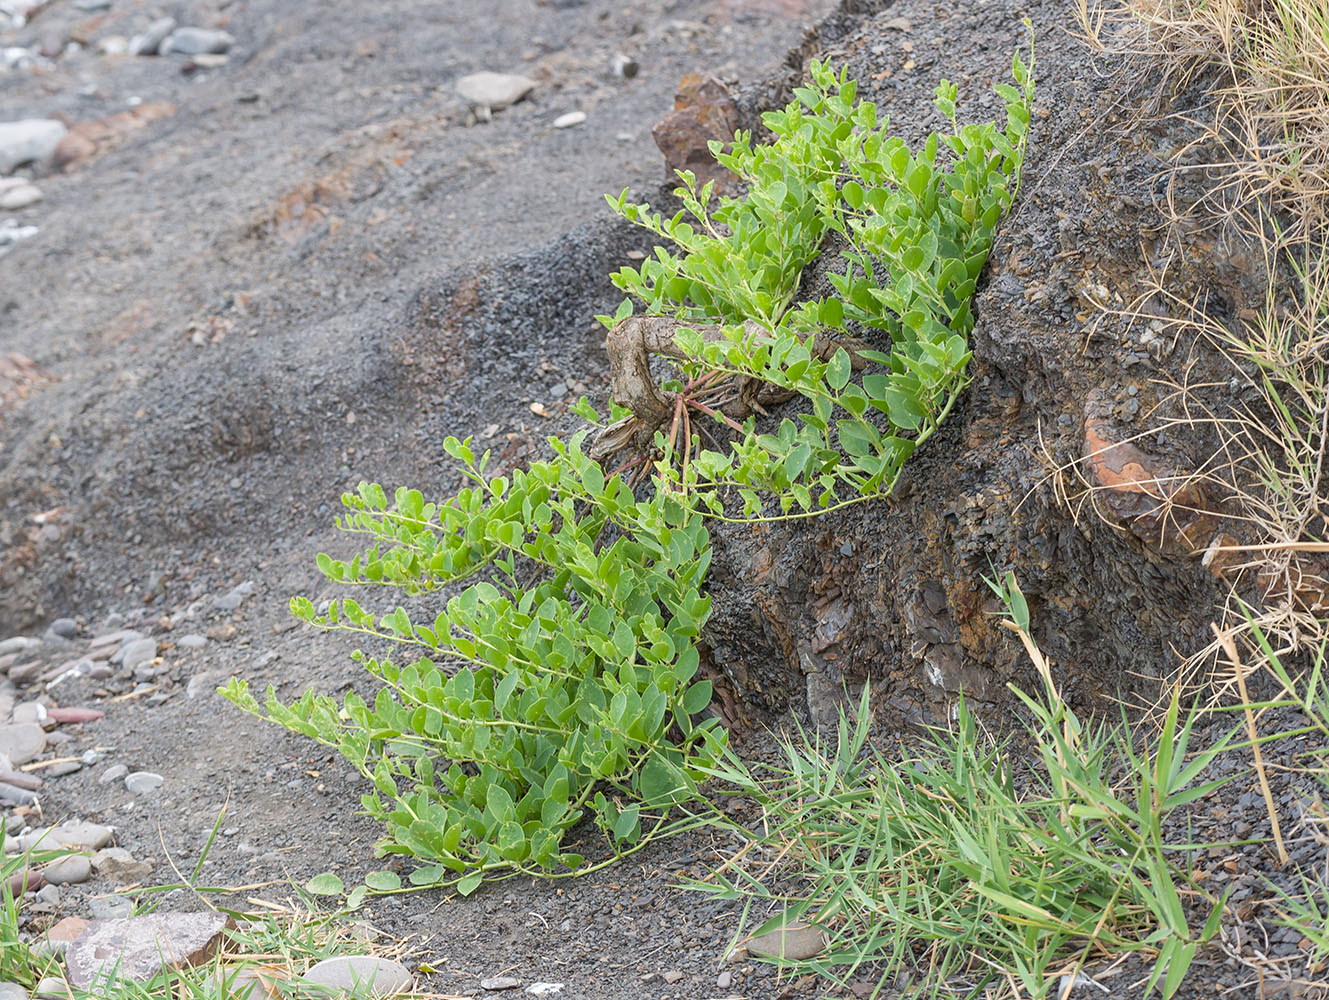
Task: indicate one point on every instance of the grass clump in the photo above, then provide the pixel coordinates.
(1270, 106)
(961, 871)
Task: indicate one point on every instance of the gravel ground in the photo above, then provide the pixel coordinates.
(306, 267)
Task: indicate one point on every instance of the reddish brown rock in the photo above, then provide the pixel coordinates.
(703, 111)
(67, 929)
(140, 947)
(90, 139)
(74, 714)
(1160, 506)
(26, 880)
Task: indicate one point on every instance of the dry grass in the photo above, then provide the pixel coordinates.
(1268, 118)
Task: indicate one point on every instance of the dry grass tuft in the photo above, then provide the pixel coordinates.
(1270, 101)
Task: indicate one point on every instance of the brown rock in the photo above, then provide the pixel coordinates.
(796, 942)
(74, 714)
(26, 880)
(75, 147)
(703, 111)
(1161, 507)
(140, 947)
(67, 930)
(90, 139)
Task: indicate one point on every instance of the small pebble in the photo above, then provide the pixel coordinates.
(68, 871)
(570, 119)
(113, 773)
(143, 782)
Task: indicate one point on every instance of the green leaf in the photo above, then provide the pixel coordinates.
(383, 881)
(470, 883)
(326, 884)
(698, 696)
(839, 369)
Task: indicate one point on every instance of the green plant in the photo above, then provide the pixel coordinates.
(577, 690)
(917, 228)
(960, 868)
(561, 680)
(19, 963)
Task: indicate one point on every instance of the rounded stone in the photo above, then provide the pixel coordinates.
(143, 782)
(51, 988)
(12, 991)
(82, 836)
(68, 871)
(21, 742)
(361, 975)
(65, 628)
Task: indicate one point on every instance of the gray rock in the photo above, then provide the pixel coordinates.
(724, 979)
(192, 641)
(92, 6)
(80, 836)
(361, 976)
(26, 841)
(32, 140)
(51, 988)
(229, 602)
(16, 197)
(113, 621)
(499, 983)
(113, 773)
(21, 742)
(797, 942)
(204, 683)
(494, 90)
(143, 782)
(150, 41)
(18, 643)
(25, 673)
(49, 895)
(12, 991)
(11, 795)
(140, 947)
(63, 768)
(238, 984)
(135, 654)
(110, 907)
(68, 870)
(65, 628)
(11, 232)
(118, 637)
(197, 41)
(29, 711)
(626, 66)
(20, 780)
(118, 865)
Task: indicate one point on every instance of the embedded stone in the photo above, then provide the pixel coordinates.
(494, 90)
(361, 976)
(139, 948)
(703, 112)
(789, 942)
(21, 742)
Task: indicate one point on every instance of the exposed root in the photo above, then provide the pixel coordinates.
(729, 399)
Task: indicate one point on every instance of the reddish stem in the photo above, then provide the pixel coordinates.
(716, 413)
